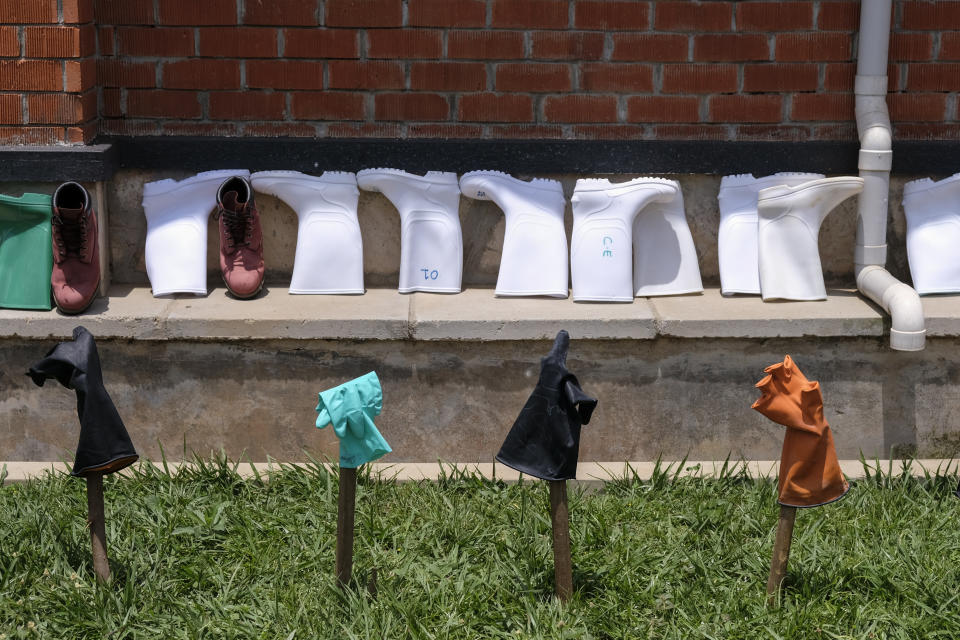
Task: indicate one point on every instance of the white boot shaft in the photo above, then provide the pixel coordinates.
(431, 241)
(534, 259)
(664, 257)
(601, 247)
(737, 236)
(933, 234)
(788, 233)
(177, 214)
(329, 256)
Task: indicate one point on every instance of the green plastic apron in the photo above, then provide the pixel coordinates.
(26, 255)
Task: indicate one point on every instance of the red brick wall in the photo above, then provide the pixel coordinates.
(762, 70)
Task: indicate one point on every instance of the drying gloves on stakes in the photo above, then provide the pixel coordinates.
(933, 234)
(104, 445)
(810, 474)
(544, 442)
(350, 408)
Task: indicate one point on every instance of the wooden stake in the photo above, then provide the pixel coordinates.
(560, 516)
(781, 552)
(346, 502)
(98, 529)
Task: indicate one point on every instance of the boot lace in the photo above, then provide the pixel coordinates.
(239, 226)
(71, 235)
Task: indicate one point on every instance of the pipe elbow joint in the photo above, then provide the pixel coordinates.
(907, 326)
(876, 137)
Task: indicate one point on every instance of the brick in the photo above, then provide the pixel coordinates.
(829, 106)
(766, 132)
(112, 12)
(111, 103)
(152, 41)
(621, 78)
(533, 78)
(364, 13)
(809, 47)
(105, 40)
(608, 14)
(917, 107)
(699, 78)
(649, 47)
(525, 131)
(577, 108)
(485, 45)
(218, 129)
(609, 132)
(236, 42)
(911, 46)
(118, 73)
(411, 106)
(320, 43)
(284, 74)
(446, 13)
(280, 129)
(834, 131)
(448, 76)
(839, 16)
(933, 16)
(530, 14)
(444, 131)
(9, 43)
(59, 42)
(127, 127)
(208, 12)
(839, 76)
(933, 77)
(950, 46)
(926, 131)
(11, 109)
(730, 47)
(77, 11)
(746, 108)
(566, 45)
(349, 74)
(364, 130)
(780, 77)
(328, 105)
(28, 11)
(31, 135)
(693, 16)
(280, 12)
(162, 104)
(83, 134)
(61, 108)
(80, 75)
(404, 43)
(202, 74)
(246, 105)
(774, 16)
(490, 107)
(691, 132)
(663, 109)
(31, 75)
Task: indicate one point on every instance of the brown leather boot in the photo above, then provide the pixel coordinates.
(76, 254)
(241, 239)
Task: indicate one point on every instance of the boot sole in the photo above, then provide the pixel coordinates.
(237, 295)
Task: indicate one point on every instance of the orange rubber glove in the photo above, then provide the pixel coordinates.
(809, 471)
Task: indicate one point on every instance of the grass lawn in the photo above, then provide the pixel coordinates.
(207, 554)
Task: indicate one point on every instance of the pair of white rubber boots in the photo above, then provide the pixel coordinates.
(933, 234)
(769, 228)
(629, 239)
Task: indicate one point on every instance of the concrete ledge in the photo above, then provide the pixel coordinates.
(587, 472)
(132, 312)
(942, 314)
(711, 315)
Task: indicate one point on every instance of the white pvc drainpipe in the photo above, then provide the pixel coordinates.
(907, 332)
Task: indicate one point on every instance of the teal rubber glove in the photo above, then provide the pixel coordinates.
(26, 252)
(351, 408)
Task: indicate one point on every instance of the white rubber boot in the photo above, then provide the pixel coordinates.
(789, 226)
(664, 257)
(933, 234)
(176, 247)
(431, 243)
(329, 257)
(737, 236)
(534, 260)
(601, 247)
